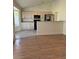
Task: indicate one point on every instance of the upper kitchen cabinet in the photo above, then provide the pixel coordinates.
(27, 16)
(59, 10)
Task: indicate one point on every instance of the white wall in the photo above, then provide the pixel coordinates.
(60, 7)
(16, 4)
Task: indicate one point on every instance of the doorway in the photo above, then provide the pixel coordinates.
(17, 19)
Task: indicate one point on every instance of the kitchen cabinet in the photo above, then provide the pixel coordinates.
(29, 15)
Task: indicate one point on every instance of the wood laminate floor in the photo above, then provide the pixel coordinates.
(40, 47)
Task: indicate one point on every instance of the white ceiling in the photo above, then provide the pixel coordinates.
(29, 3)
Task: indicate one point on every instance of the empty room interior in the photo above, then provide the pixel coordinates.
(39, 29)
